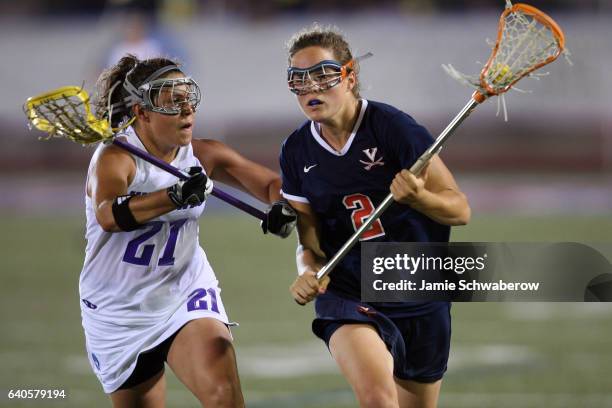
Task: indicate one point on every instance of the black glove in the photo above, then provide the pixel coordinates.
(280, 219)
(191, 192)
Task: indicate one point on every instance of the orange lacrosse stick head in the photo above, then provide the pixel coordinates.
(527, 39)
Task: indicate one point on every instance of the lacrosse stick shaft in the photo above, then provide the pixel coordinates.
(416, 169)
(222, 195)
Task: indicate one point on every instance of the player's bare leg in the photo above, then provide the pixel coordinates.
(203, 358)
(149, 394)
(418, 395)
(366, 364)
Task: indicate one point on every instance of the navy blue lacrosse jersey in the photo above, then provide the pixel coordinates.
(343, 188)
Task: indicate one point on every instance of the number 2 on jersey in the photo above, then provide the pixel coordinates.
(167, 258)
(362, 208)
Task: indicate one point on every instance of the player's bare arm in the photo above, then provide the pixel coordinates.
(434, 193)
(309, 256)
(110, 179)
(226, 165)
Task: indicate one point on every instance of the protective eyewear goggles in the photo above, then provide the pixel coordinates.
(320, 77)
(168, 96)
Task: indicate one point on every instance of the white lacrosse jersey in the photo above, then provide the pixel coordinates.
(137, 288)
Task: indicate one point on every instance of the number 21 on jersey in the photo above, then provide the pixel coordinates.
(167, 258)
(362, 208)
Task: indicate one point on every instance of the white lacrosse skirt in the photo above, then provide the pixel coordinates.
(138, 288)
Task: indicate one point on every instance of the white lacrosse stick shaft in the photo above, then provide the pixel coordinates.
(416, 169)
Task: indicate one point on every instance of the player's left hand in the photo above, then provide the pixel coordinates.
(280, 219)
(408, 188)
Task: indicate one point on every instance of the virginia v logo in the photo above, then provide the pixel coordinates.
(371, 154)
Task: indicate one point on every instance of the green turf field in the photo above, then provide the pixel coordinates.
(504, 355)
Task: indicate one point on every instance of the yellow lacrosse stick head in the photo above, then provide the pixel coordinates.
(65, 112)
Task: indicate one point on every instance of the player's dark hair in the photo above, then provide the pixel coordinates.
(117, 73)
(328, 37)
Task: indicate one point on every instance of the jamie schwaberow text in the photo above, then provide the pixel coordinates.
(459, 265)
(406, 285)
(484, 272)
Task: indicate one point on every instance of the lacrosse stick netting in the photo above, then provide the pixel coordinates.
(65, 112)
(527, 39)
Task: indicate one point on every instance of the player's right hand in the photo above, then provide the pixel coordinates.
(306, 287)
(193, 191)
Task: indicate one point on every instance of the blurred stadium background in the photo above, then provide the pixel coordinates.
(545, 175)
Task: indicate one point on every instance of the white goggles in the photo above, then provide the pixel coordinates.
(168, 96)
